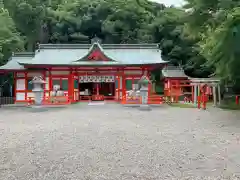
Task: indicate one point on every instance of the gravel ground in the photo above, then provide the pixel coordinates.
(112, 142)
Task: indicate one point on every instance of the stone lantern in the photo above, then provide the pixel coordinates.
(37, 90)
(143, 84)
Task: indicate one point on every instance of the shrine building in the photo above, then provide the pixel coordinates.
(83, 71)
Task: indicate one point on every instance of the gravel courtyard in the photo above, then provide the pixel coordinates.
(112, 142)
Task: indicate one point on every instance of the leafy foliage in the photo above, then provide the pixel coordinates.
(202, 38)
(217, 47)
(216, 24)
(10, 39)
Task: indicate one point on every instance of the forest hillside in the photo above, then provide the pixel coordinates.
(203, 36)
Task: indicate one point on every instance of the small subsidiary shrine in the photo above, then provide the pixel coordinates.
(95, 71)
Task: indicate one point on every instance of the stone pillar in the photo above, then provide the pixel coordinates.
(195, 94)
(38, 90)
(214, 96)
(144, 90)
(219, 95)
(198, 90)
(144, 95)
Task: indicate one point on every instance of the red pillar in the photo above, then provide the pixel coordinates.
(97, 89)
(26, 84)
(70, 86)
(123, 86)
(178, 90)
(44, 85)
(199, 102)
(204, 101)
(149, 84)
(170, 89)
(50, 81)
(15, 86)
(192, 94)
(237, 100)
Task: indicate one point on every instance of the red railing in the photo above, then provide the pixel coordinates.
(153, 99)
(56, 100)
(97, 98)
(130, 100)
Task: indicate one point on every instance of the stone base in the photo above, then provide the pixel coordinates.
(36, 106)
(145, 107)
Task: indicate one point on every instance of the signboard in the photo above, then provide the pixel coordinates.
(86, 79)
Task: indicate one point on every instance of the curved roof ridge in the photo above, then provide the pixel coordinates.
(174, 72)
(107, 46)
(95, 45)
(172, 67)
(130, 46)
(12, 64)
(23, 54)
(64, 46)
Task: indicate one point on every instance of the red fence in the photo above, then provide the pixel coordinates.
(6, 100)
(58, 100)
(153, 99)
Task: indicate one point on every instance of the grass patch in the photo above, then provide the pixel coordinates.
(182, 105)
(229, 106)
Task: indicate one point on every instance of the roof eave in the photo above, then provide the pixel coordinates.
(73, 65)
(176, 77)
(105, 46)
(12, 70)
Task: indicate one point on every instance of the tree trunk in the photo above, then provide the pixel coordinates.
(30, 46)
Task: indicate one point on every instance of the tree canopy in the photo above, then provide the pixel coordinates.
(216, 24)
(201, 37)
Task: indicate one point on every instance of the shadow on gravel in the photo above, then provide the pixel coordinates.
(157, 106)
(30, 109)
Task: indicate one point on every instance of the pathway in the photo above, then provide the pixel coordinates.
(112, 142)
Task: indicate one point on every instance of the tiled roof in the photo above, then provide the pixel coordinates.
(75, 55)
(173, 72)
(205, 80)
(13, 64)
(121, 54)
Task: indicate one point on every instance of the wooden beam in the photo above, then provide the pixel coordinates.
(26, 84)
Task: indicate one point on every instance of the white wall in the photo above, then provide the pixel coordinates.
(129, 72)
(20, 74)
(20, 96)
(30, 94)
(33, 74)
(59, 72)
(20, 84)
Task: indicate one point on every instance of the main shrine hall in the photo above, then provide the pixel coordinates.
(95, 70)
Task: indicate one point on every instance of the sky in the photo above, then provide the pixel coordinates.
(170, 2)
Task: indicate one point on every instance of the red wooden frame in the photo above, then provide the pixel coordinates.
(25, 77)
(74, 73)
(177, 84)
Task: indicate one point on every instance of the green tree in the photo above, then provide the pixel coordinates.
(222, 47)
(28, 16)
(216, 26)
(115, 21)
(10, 39)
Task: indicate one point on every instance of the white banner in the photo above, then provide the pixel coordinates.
(83, 79)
